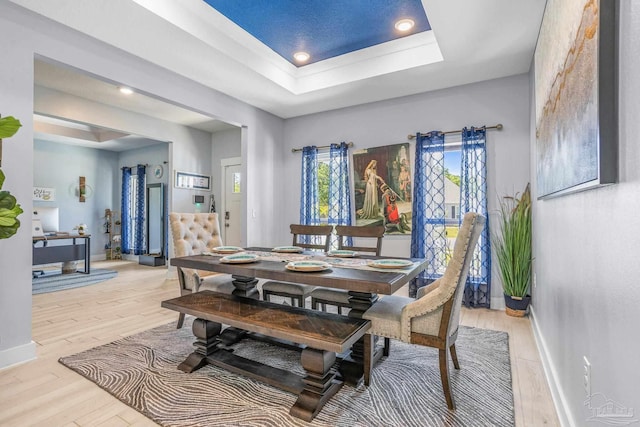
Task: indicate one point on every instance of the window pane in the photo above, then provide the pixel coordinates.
(236, 182)
(451, 196)
(323, 185)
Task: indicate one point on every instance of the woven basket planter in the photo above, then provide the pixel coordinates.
(516, 306)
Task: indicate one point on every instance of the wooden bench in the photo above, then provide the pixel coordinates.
(323, 334)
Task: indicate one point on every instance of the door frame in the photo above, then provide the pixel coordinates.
(224, 163)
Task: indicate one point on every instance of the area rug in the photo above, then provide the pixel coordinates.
(53, 281)
(405, 390)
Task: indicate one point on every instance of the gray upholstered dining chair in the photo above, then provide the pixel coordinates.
(296, 291)
(432, 318)
(340, 297)
(192, 234)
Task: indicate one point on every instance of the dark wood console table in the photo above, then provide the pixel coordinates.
(74, 251)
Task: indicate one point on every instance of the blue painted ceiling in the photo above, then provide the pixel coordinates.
(322, 28)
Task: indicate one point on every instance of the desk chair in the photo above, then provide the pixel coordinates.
(340, 297)
(432, 318)
(192, 234)
(296, 291)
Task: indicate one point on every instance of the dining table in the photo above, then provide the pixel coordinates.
(365, 277)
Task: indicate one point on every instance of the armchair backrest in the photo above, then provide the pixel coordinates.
(299, 230)
(194, 233)
(376, 232)
(455, 276)
(445, 294)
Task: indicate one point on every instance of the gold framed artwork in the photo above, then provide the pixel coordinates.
(382, 187)
(576, 96)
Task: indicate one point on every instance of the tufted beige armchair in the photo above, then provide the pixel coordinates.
(432, 318)
(192, 234)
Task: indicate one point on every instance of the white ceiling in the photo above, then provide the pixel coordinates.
(477, 41)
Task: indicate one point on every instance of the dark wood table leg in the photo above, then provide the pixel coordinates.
(320, 384)
(244, 287)
(206, 333)
(352, 367)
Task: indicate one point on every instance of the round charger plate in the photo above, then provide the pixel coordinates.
(341, 253)
(227, 249)
(239, 258)
(288, 249)
(390, 263)
(308, 266)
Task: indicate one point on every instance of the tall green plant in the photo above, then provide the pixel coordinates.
(512, 244)
(9, 207)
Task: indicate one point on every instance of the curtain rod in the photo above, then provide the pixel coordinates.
(146, 165)
(293, 150)
(498, 127)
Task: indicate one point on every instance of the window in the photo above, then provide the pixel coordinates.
(452, 162)
(323, 185)
(236, 182)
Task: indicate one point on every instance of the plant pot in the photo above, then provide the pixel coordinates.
(516, 306)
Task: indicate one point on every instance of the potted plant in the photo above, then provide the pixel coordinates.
(512, 244)
(9, 207)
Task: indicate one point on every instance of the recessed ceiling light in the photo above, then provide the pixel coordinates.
(301, 56)
(125, 90)
(404, 25)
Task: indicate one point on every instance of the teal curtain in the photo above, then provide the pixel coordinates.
(428, 237)
(339, 194)
(309, 212)
(473, 198)
(133, 210)
(125, 208)
(139, 245)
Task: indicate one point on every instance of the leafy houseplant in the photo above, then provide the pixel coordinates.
(9, 208)
(512, 244)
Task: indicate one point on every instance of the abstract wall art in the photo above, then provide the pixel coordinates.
(576, 97)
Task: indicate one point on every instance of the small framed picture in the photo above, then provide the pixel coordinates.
(192, 180)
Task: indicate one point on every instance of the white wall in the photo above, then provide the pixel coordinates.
(24, 35)
(503, 101)
(59, 166)
(586, 247)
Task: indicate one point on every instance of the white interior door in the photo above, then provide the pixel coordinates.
(231, 219)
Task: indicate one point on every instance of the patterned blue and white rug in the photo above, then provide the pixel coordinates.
(405, 389)
(53, 281)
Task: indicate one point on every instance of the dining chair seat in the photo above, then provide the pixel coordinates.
(296, 291)
(339, 297)
(323, 296)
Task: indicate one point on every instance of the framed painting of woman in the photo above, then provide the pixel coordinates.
(382, 187)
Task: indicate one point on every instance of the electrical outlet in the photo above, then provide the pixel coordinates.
(535, 282)
(586, 376)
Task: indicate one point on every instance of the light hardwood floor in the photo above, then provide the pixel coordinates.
(45, 393)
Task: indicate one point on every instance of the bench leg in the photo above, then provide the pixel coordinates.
(206, 333)
(319, 384)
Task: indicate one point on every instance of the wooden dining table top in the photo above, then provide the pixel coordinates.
(366, 280)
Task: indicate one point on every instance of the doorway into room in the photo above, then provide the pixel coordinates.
(231, 214)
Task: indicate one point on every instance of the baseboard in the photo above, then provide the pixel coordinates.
(17, 355)
(497, 303)
(550, 372)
